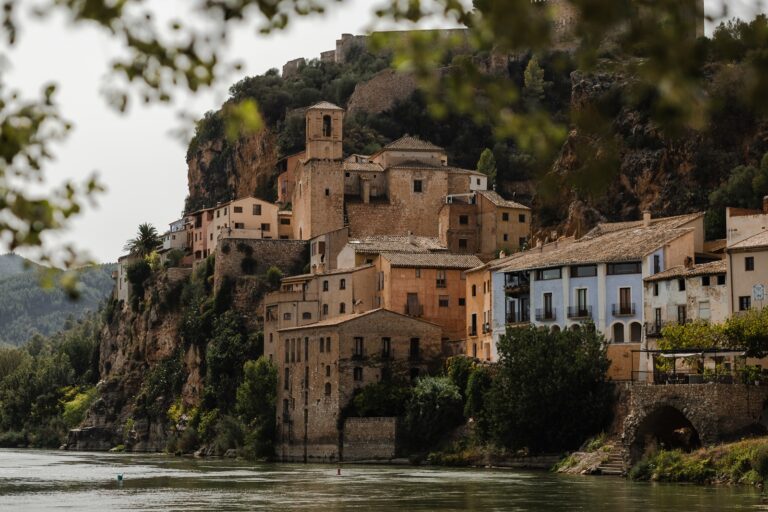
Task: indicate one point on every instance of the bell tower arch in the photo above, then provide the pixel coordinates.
(324, 131)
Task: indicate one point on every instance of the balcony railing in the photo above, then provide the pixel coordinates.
(472, 331)
(546, 315)
(519, 317)
(579, 312)
(623, 309)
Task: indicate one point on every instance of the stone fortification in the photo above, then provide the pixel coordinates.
(369, 439)
(381, 92)
(248, 257)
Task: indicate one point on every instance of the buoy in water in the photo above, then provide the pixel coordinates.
(338, 471)
(119, 477)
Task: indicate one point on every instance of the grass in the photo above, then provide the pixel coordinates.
(744, 462)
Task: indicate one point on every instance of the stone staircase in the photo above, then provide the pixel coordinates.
(613, 464)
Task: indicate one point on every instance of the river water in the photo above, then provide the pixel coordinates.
(45, 480)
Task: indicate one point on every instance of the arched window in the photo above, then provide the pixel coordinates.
(635, 332)
(327, 371)
(327, 389)
(326, 126)
(618, 333)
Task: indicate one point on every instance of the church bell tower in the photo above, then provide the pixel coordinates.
(324, 131)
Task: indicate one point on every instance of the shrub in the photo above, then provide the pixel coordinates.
(76, 407)
(384, 398)
(137, 273)
(458, 369)
(188, 440)
(256, 406)
(174, 257)
(229, 434)
(434, 408)
(274, 275)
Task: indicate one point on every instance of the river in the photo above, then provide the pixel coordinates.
(45, 480)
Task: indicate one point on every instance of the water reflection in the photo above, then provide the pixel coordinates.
(35, 480)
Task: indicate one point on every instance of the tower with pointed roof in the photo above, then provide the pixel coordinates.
(324, 131)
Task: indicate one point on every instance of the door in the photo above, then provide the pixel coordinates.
(625, 301)
(581, 302)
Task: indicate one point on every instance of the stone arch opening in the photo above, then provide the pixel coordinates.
(618, 332)
(575, 327)
(635, 332)
(555, 328)
(327, 126)
(664, 428)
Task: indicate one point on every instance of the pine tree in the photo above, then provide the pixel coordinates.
(487, 165)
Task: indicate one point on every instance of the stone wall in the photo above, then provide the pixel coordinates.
(716, 411)
(381, 92)
(369, 439)
(236, 257)
(291, 68)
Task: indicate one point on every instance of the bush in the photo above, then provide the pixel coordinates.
(188, 440)
(174, 257)
(433, 410)
(137, 273)
(13, 439)
(256, 406)
(274, 275)
(77, 405)
(384, 398)
(458, 369)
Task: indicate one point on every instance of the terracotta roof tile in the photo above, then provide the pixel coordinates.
(346, 318)
(384, 243)
(704, 269)
(433, 260)
(496, 199)
(410, 143)
(324, 105)
(662, 222)
(753, 242)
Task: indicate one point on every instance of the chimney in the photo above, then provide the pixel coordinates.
(688, 262)
(765, 204)
(646, 218)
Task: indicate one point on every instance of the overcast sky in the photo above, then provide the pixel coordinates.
(139, 161)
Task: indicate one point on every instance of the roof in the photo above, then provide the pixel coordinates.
(611, 247)
(302, 277)
(324, 105)
(705, 269)
(410, 143)
(496, 199)
(361, 166)
(432, 260)
(715, 245)
(753, 242)
(384, 243)
(675, 221)
(342, 319)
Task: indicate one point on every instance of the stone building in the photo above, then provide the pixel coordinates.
(323, 363)
(747, 257)
(365, 250)
(245, 218)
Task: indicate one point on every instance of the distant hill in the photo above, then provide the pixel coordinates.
(27, 309)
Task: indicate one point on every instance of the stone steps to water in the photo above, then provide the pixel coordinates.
(613, 464)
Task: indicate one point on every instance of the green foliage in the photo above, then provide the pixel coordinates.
(434, 409)
(698, 334)
(274, 275)
(745, 188)
(475, 405)
(458, 369)
(146, 242)
(533, 80)
(487, 165)
(383, 398)
(160, 386)
(138, 273)
(256, 407)
(76, 403)
(550, 390)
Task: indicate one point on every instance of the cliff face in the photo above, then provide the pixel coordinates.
(219, 171)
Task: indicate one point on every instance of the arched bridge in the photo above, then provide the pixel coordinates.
(688, 415)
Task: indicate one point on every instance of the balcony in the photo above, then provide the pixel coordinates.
(580, 312)
(623, 309)
(518, 317)
(472, 331)
(546, 315)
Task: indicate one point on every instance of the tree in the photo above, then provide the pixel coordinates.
(256, 403)
(146, 242)
(533, 80)
(435, 407)
(745, 188)
(749, 331)
(487, 165)
(550, 390)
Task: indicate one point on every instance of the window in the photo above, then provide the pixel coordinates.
(417, 186)
(655, 289)
(443, 301)
(358, 347)
(327, 126)
(265, 227)
(625, 300)
(656, 263)
(441, 279)
(721, 279)
(285, 222)
(328, 344)
(474, 290)
(418, 272)
(681, 284)
(239, 225)
(657, 317)
(704, 310)
(225, 210)
(462, 301)
(328, 371)
(343, 284)
(414, 349)
(463, 220)
(749, 263)
(286, 377)
(745, 303)
(547, 274)
(462, 243)
(287, 351)
(306, 315)
(584, 271)
(681, 315)
(342, 308)
(322, 344)
(327, 389)
(238, 209)
(325, 286)
(357, 373)
(506, 237)
(386, 347)
(256, 209)
(704, 280)
(548, 306)
(521, 218)
(505, 216)
(218, 213)
(286, 316)
(325, 309)
(327, 192)
(633, 267)
(211, 236)
(581, 300)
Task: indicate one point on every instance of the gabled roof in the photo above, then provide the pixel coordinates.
(675, 221)
(432, 260)
(612, 247)
(324, 105)
(753, 242)
(361, 166)
(705, 269)
(497, 200)
(410, 143)
(386, 243)
(342, 319)
(305, 277)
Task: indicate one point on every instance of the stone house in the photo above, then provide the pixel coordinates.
(429, 286)
(746, 257)
(176, 236)
(122, 286)
(245, 218)
(197, 235)
(322, 364)
(365, 250)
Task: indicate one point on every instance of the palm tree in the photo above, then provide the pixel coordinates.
(147, 241)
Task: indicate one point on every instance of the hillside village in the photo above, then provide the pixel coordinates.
(406, 260)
